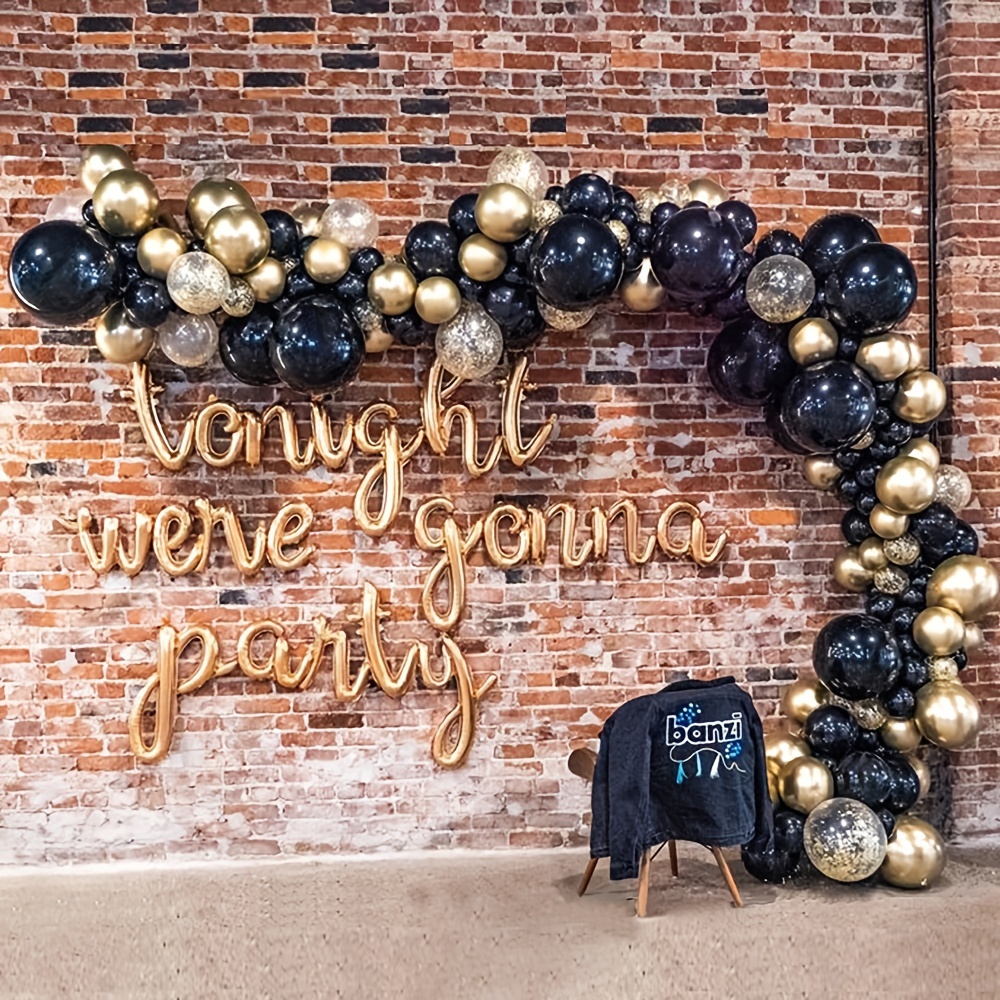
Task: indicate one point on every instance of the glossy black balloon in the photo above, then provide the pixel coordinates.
(576, 262)
(964, 541)
(831, 731)
(471, 289)
(284, 230)
(622, 196)
(147, 302)
(625, 214)
(643, 233)
(315, 345)
(366, 260)
(899, 702)
(298, 285)
(778, 241)
(696, 255)
(828, 239)
(855, 527)
(934, 526)
(350, 288)
(828, 406)
(788, 828)
(88, 213)
(408, 328)
(62, 272)
(868, 739)
(863, 776)
(916, 672)
(462, 216)
(856, 657)
(769, 865)
(880, 605)
(742, 216)
(516, 313)
(244, 345)
(904, 785)
(431, 249)
(588, 194)
(749, 360)
(632, 256)
(662, 213)
(888, 820)
(127, 249)
(555, 193)
(772, 419)
(733, 304)
(871, 289)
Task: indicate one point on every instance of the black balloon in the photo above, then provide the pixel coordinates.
(643, 233)
(828, 406)
(350, 288)
(462, 216)
(904, 787)
(576, 262)
(772, 418)
(316, 345)
(827, 240)
(284, 232)
(856, 657)
(749, 360)
(244, 345)
(62, 272)
(696, 255)
(788, 827)
(831, 731)
(733, 304)
(964, 541)
(147, 302)
(366, 260)
(888, 820)
(778, 241)
(632, 256)
(916, 672)
(863, 776)
(470, 288)
(626, 214)
(871, 289)
(662, 213)
(742, 216)
(880, 605)
(431, 248)
(769, 865)
(934, 526)
(855, 527)
(516, 313)
(408, 328)
(299, 284)
(899, 702)
(588, 194)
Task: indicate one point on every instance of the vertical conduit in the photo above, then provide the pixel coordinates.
(932, 194)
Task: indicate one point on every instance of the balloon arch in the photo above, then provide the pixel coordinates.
(807, 336)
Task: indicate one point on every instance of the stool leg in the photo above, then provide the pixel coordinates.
(672, 851)
(587, 876)
(643, 896)
(720, 860)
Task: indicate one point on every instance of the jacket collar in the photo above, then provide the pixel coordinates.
(688, 685)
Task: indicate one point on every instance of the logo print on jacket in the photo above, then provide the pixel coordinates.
(688, 738)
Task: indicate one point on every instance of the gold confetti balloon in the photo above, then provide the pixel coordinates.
(780, 288)
(915, 855)
(351, 221)
(844, 839)
(565, 319)
(158, 249)
(805, 782)
(210, 196)
(802, 697)
(240, 299)
(521, 168)
(471, 344)
(954, 488)
(544, 213)
(942, 668)
(946, 714)
(891, 580)
(369, 319)
(188, 340)
(967, 585)
(198, 283)
(645, 201)
(120, 340)
(126, 203)
(903, 551)
(869, 714)
(97, 161)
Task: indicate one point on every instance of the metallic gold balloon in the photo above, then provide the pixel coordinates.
(906, 485)
(503, 212)
(923, 773)
(97, 161)
(772, 787)
(158, 249)
(844, 839)
(887, 523)
(938, 631)
(198, 283)
(308, 217)
(391, 289)
(437, 300)
(849, 571)
(885, 357)
(914, 856)
(523, 168)
(267, 279)
(481, 258)
(119, 340)
(967, 585)
(126, 203)
(945, 668)
(804, 783)
(902, 551)
(802, 697)
(946, 714)
(544, 213)
(820, 471)
(780, 748)
(871, 554)
(812, 340)
(891, 580)
(326, 261)
(706, 190)
(370, 321)
(238, 237)
(900, 734)
(921, 448)
(974, 637)
(210, 196)
(640, 290)
(954, 487)
(865, 441)
(921, 396)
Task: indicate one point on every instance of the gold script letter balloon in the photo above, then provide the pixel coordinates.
(238, 237)
(119, 340)
(804, 783)
(967, 585)
(158, 249)
(126, 203)
(198, 283)
(503, 212)
(915, 855)
(213, 195)
(96, 162)
(906, 485)
(946, 714)
(844, 839)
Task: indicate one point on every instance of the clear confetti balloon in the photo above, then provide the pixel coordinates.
(66, 206)
(189, 341)
(845, 840)
(780, 288)
(198, 283)
(868, 714)
(240, 299)
(471, 344)
(543, 213)
(350, 220)
(676, 191)
(891, 580)
(370, 320)
(645, 201)
(954, 487)
(522, 168)
(565, 319)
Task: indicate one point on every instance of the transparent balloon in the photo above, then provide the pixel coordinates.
(350, 220)
(780, 288)
(522, 168)
(198, 283)
(471, 344)
(66, 206)
(240, 299)
(845, 840)
(954, 487)
(189, 341)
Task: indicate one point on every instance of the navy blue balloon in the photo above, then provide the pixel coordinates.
(749, 360)
(863, 776)
(742, 216)
(462, 215)
(696, 255)
(315, 345)
(62, 272)
(856, 657)
(899, 702)
(589, 194)
(775, 242)
(576, 262)
(147, 302)
(431, 249)
(831, 731)
(904, 789)
(871, 289)
(934, 526)
(828, 406)
(284, 232)
(828, 239)
(515, 310)
(244, 345)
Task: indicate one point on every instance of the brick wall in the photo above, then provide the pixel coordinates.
(801, 108)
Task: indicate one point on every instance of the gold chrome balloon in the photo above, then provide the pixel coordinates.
(916, 356)
(503, 212)
(96, 162)
(267, 280)
(158, 249)
(126, 203)
(802, 697)
(900, 734)
(210, 196)
(812, 340)
(906, 485)
(887, 523)
(915, 855)
(885, 357)
(804, 783)
(238, 237)
(326, 260)
(820, 471)
(849, 571)
(923, 774)
(921, 447)
(391, 289)
(481, 258)
(920, 397)
(437, 300)
(938, 631)
(871, 554)
(974, 637)
(772, 787)
(967, 585)
(308, 217)
(947, 714)
(640, 291)
(119, 340)
(706, 190)
(780, 748)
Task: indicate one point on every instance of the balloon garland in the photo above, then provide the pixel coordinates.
(808, 336)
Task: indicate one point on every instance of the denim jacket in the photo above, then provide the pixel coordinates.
(686, 763)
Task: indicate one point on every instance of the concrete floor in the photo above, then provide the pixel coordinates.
(482, 926)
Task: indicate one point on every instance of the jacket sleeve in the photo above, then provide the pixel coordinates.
(599, 793)
(628, 781)
(763, 838)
